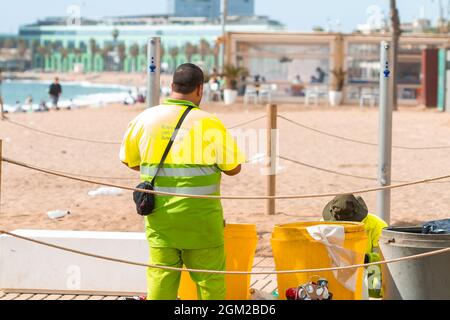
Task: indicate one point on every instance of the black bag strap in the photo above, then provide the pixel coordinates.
(170, 143)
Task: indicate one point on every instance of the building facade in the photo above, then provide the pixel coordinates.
(210, 8)
(60, 45)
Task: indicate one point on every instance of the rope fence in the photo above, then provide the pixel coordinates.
(101, 257)
(355, 140)
(58, 135)
(342, 173)
(68, 137)
(227, 197)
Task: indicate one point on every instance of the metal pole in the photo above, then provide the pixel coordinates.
(1, 162)
(385, 134)
(223, 6)
(272, 156)
(153, 71)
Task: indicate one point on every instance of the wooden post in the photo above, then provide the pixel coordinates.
(272, 156)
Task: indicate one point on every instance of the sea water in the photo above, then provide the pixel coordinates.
(74, 94)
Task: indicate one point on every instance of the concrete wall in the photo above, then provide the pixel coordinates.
(28, 266)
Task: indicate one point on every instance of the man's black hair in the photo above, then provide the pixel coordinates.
(187, 78)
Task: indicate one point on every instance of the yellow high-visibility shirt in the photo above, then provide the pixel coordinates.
(373, 226)
(202, 149)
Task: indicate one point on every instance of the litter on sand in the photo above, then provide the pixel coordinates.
(105, 191)
(56, 214)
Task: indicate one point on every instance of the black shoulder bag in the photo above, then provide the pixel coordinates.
(145, 202)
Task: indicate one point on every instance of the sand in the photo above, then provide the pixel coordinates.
(26, 195)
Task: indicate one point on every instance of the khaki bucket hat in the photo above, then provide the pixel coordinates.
(345, 208)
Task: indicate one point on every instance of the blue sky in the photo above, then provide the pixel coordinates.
(300, 15)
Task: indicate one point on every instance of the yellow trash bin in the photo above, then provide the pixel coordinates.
(294, 247)
(240, 246)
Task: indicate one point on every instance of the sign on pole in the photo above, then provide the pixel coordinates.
(153, 71)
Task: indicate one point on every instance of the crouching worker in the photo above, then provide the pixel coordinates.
(183, 230)
(351, 208)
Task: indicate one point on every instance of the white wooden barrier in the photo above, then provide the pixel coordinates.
(29, 267)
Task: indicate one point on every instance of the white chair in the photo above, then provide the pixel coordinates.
(368, 94)
(250, 94)
(206, 92)
(215, 94)
(265, 94)
(315, 93)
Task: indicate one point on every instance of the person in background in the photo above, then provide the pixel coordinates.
(18, 107)
(242, 85)
(297, 80)
(55, 91)
(72, 105)
(320, 78)
(28, 106)
(257, 83)
(129, 100)
(297, 87)
(42, 106)
(351, 208)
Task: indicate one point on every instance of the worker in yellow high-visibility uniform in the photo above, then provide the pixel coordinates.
(351, 208)
(183, 231)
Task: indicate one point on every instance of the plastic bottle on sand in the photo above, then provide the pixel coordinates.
(55, 214)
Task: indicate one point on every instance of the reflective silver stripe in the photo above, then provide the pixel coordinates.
(205, 190)
(180, 172)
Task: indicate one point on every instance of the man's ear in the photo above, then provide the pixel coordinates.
(200, 90)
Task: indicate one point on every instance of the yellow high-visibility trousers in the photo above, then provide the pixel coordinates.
(163, 284)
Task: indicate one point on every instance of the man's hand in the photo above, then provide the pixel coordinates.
(233, 172)
(137, 168)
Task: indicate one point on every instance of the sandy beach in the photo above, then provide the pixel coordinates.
(136, 79)
(27, 196)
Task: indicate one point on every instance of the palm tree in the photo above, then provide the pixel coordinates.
(395, 36)
(204, 48)
(144, 48)
(9, 43)
(174, 52)
(121, 50)
(93, 50)
(93, 46)
(134, 52)
(64, 52)
(43, 51)
(21, 47)
(232, 74)
(105, 55)
(162, 52)
(53, 47)
(77, 52)
(189, 51)
(34, 47)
